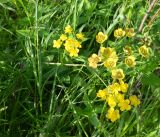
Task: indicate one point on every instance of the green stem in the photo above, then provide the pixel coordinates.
(38, 57)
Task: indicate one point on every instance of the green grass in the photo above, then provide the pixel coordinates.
(41, 99)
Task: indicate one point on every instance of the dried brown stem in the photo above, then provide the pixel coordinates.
(146, 15)
(154, 17)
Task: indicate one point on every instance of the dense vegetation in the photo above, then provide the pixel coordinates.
(44, 92)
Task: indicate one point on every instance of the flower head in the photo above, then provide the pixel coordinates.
(73, 52)
(123, 86)
(134, 100)
(130, 32)
(111, 100)
(144, 51)
(118, 74)
(130, 61)
(71, 46)
(63, 37)
(119, 97)
(80, 36)
(110, 63)
(93, 60)
(57, 43)
(118, 33)
(124, 105)
(115, 88)
(68, 29)
(101, 37)
(102, 94)
(108, 52)
(113, 114)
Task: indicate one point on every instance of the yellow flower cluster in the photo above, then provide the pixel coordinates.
(118, 33)
(144, 51)
(115, 93)
(129, 32)
(71, 42)
(93, 60)
(109, 57)
(101, 37)
(130, 61)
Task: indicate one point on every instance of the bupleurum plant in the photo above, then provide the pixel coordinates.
(115, 94)
(116, 59)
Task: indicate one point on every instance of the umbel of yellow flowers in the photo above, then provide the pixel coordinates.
(118, 33)
(57, 43)
(80, 36)
(134, 100)
(109, 57)
(101, 37)
(130, 61)
(93, 60)
(118, 74)
(114, 96)
(108, 52)
(71, 44)
(143, 51)
(68, 29)
(113, 114)
(130, 32)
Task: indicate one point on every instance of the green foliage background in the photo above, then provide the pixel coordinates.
(38, 98)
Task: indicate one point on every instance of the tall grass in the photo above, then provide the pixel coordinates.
(40, 98)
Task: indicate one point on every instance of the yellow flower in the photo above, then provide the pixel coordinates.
(73, 52)
(101, 37)
(118, 33)
(144, 51)
(113, 115)
(110, 63)
(123, 86)
(93, 60)
(130, 32)
(130, 61)
(118, 74)
(68, 29)
(119, 97)
(63, 37)
(111, 100)
(80, 36)
(115, 88)
(102, 94)
(124, 105)
(57, 43)
(71, 46)
(70, 42)
(108, 52)
(127, 50)
(134, 100)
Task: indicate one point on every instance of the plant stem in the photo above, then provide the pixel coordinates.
(146, 15)
(38, 57)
